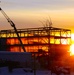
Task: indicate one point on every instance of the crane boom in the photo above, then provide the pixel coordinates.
(13, 25)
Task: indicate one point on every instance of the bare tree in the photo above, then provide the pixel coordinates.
(47, 22)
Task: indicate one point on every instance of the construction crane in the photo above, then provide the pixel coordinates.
(13, 25)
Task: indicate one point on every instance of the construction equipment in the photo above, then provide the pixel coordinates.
(13, 25)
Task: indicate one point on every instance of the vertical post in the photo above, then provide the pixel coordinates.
(48, 46)
(34, 64)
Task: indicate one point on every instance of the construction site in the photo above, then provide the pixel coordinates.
(45, 43)
(46, 39)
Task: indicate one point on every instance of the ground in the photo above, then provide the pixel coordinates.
(20, 71)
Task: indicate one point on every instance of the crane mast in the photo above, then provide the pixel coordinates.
(13, 25)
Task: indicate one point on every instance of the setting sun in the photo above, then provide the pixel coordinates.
(72, 45)
(72, 37)
(72, 49)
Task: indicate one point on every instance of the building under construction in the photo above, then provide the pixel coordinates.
(48, 39)
(36, 39)
(47, 43)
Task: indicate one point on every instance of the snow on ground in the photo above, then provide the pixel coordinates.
(20, 71)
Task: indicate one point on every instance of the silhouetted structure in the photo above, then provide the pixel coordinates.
(35, 39)
(49, 44)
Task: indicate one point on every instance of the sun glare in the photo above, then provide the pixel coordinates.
(72, 49)
(72, 46)
(72, 37)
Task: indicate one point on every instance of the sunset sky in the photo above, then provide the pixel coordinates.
(30, 13)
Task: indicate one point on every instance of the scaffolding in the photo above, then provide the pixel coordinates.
(36, 39)
(47, 44)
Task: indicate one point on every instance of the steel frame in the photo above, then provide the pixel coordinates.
(35, 39)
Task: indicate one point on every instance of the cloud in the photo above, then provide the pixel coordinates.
(38, 4)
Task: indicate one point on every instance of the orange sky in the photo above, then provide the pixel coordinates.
(26, 13)
(30, 13)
